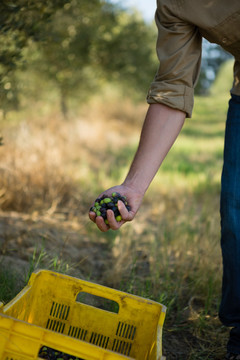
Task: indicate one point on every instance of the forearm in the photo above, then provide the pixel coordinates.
(160, 130)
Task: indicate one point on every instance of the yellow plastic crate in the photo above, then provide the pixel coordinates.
(50, 311)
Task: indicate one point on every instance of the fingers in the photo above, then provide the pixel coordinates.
(113, 224)
(101, 224)
(92, 216)
(110, 212)
(99, 221)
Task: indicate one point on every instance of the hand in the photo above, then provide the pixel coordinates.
(134, 200)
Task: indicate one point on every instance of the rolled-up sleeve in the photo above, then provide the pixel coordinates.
(179, 46)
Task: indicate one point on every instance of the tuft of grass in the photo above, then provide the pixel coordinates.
(41, 259)
(9, 284)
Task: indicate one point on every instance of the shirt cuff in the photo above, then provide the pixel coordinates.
(176, 96)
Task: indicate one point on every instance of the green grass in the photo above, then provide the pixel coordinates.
(9, 284)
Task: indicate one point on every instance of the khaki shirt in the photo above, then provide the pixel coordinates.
(181, 26)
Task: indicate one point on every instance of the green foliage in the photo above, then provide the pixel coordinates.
(127, 52)
(86, 45)
(76, 45)
(9, 284)
(20, 22)
(42, 259)
(64, 57)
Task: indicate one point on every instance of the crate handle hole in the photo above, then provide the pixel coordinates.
(98, 302)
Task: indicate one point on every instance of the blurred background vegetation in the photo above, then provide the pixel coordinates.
(76, 47)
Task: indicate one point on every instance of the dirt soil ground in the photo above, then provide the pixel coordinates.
(21, 235)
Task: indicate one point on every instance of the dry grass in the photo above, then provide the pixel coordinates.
(44, 158)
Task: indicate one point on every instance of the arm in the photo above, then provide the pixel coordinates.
(171, 100)
(160, 129)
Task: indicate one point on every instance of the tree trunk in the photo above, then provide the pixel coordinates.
(63, 104)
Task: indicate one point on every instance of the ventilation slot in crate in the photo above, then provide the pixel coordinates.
(99, 340)
(55, 325)
(122, 347)
(125, 335)
(77, 332)
(126, 331)
(59, 311)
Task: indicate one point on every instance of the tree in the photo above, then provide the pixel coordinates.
(64, 57)
(19, 22)
(126, 52)
(88, 42)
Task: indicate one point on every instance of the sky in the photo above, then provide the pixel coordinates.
(146, 7)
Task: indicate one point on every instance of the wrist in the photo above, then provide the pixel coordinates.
(135, 184)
